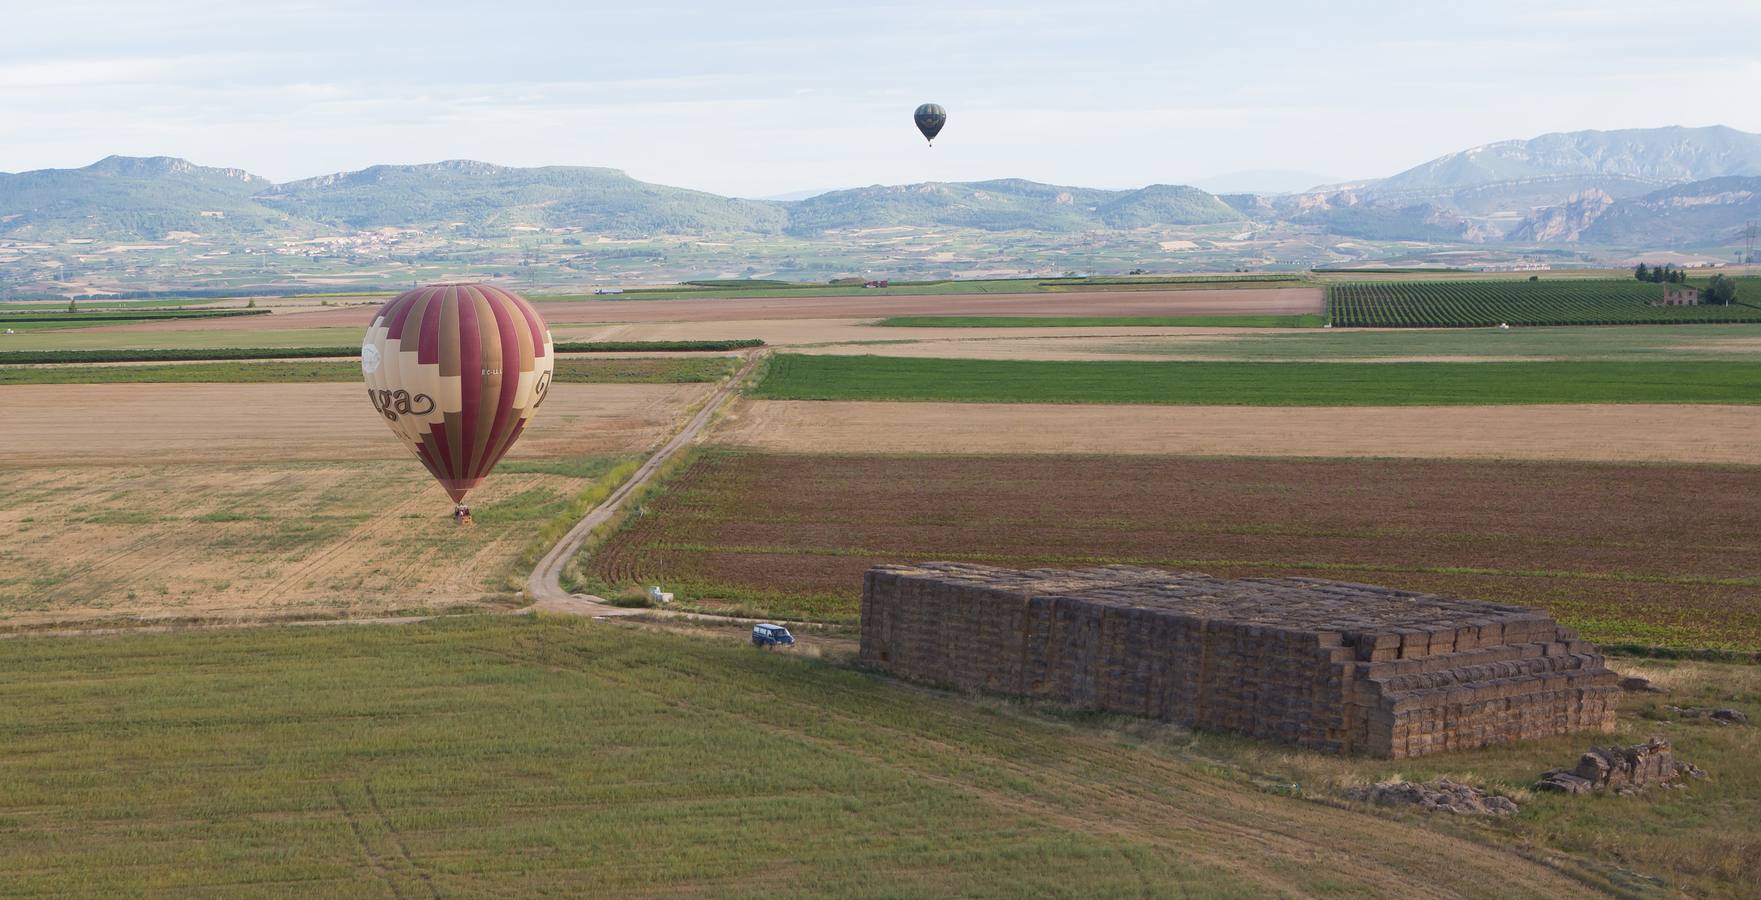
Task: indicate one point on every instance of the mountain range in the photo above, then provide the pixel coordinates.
(1638, 187)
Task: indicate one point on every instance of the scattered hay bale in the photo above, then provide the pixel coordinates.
(1623, 770)
(1637, 684)
(1441, 795)
(1720, 716)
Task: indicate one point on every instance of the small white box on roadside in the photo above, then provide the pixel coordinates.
(656, 595)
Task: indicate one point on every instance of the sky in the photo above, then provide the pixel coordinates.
(761, 98)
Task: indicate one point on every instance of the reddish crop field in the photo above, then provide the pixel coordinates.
(1662, 555)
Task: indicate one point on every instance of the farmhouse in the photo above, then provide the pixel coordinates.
(1347, 668)
(1676, 295)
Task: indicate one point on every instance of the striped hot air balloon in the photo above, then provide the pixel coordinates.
(930, 117)
(457, 370)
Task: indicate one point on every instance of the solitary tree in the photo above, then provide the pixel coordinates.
(1643, 272)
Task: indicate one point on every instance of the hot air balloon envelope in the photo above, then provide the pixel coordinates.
(457, 370)
(930, 118)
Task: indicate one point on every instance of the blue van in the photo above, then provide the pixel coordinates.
(767, 635)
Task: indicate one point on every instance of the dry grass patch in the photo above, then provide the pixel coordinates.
(284, 540)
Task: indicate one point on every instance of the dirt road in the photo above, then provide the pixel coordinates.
(545, 584)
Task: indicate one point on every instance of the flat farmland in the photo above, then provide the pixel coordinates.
(129, 502)
(122, 424)
(872, 304)
(1611, 432)
(1633, 343)
(568, 370)
(1663, 555)
(522, 756)
(862, 335)
(799, 376)
(118, 544)
(1472, 304)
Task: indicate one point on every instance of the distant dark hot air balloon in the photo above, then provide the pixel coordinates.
(457, 370)
(930, 117)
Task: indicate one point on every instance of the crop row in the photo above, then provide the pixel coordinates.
(1396, 304)
(791, 535)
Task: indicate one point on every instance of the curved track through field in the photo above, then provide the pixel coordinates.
(545, 584)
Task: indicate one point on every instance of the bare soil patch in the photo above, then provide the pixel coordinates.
(54, 424)
(1609, 432)
(1656, 554)
(859, 336)
(1286, 301)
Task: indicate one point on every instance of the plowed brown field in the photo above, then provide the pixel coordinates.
(1657, 554)
(1286, 301)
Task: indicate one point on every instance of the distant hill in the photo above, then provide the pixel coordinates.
(482, 196)
(1655, 156)
(137, 198)
(1657, 186)
(1493, 188)
(1697, 213)
(1006, 205)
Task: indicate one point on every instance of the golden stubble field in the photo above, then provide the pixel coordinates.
(1589, 432)
(208, 501)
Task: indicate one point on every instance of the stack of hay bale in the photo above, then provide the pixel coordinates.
(1335, 666)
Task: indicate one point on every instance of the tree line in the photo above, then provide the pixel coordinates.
(1664, 274)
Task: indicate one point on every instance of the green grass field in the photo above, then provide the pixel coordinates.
(804, 377)
(1103, 321)
(686, 370)
(509, 756)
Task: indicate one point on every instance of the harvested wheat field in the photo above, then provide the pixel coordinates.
(1606, 433)
(1646, 553)
(138, 501)
(241, 423)
(1272, 301)
(98, 544)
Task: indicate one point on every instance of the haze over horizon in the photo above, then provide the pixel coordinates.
(781, 98)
